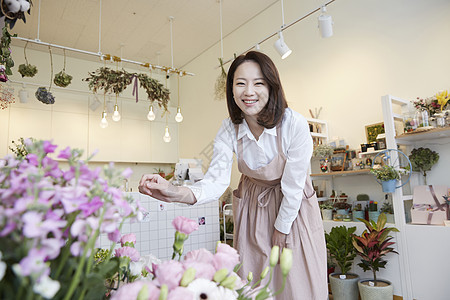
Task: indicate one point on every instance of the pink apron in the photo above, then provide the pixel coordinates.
(256, 203)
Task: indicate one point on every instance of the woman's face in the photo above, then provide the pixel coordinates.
(250, 89)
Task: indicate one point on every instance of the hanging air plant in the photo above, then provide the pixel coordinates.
(42, 94)
(62, 79)
(220, 88)
(27, 70)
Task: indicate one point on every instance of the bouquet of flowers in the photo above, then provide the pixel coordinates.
(50, 220)
(202, 274)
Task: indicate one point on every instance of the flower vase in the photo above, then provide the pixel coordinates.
(389, 186)
(358, 214)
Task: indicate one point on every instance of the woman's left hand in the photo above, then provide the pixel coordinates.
(279, 239)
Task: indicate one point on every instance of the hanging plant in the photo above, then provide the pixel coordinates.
(6, 95)
(111, 81)
(27, 70)
(42, 94)
(220, 88)
(14, 10)
(62, 79)
(5, 55)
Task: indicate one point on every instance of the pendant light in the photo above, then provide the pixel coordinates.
(104, 122)
(151, 115)
(280, 45)
(116, 115)
(179, 116)
(167, 138)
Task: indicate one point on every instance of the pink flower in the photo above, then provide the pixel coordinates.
(200, 255)
(202, 269)
(49, 147)
(128, 238)
(184, 225)
(169, 273)
(127, 173)
(225, 257)
(130, 252)
(114, 236)
(65, 154)
(180, 293)
(131, 290)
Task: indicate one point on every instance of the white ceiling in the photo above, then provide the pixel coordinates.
(142, 27)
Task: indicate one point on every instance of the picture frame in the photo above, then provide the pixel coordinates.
(338, 161)
(373, 130)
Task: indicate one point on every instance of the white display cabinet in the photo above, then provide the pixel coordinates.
(423, 249)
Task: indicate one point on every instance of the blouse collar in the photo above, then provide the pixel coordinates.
(245, 130)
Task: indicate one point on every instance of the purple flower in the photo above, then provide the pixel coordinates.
(129, 252)
(127, 173)
(33, 159)
(184, 225)
(131, 290)
(65, 154)
(114, 236)
(90, 207)
(33, 263)
(49, 147)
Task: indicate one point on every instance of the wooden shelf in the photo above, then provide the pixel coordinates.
(435, 133)
(342, 173)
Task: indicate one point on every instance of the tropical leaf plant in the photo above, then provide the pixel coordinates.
(340, 245)
(373, 245)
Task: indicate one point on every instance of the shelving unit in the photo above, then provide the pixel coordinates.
(322, 136)
(421, 277)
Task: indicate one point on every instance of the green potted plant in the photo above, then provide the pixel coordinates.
(344, 285)
(388, 177)
(358, 212)
(388, 210)
(422, 159)
(372, 246)
(327, 210)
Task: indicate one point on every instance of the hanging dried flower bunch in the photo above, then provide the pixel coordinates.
(27, 70)
(62, 79)
(6, 96)
(220, 88)
(111, 81)
(42, 94)
(14, 10)
(5, 55)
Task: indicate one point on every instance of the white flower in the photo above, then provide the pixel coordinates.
(136, 267)
(46, 287)
(2, 267)
(225, 294)
(204, 289)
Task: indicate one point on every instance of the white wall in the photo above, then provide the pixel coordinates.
(379, 47)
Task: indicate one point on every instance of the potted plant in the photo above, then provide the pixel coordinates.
(344, 285)
(388, 210)
(422, 159)
(358, 212)
(327, 210)
(372, 246)
(388, 177)
(160, 172)
(324, 152)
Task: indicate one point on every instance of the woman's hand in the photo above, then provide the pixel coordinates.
(159, 188)
(279, 239)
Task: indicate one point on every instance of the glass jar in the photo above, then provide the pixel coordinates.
(409, 122)
(422, 118)
(440, 120)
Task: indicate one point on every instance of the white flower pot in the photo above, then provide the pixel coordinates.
(383, 291)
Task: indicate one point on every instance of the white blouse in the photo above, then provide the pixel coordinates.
(297, 147)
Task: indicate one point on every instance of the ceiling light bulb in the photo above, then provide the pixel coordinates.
(151, 115)
(325, 24)
(179, 116)
(116, 114)
(281, 46)
(104, 122)
(166, 136)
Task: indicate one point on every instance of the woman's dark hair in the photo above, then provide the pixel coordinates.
(273, 112)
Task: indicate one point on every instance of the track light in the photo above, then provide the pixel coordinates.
(281, 46)
(23, 94)
(325, 24)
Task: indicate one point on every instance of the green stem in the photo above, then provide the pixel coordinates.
(282, 287)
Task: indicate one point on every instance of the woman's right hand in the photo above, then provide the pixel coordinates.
(157, 187)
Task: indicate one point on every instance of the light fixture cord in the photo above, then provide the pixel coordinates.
(100, 28)
(221, 33)
(171, 39)
(282, 13)
(178, 91)
(39, 20)
(25, 53)
(64, 68)
(51, 68)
